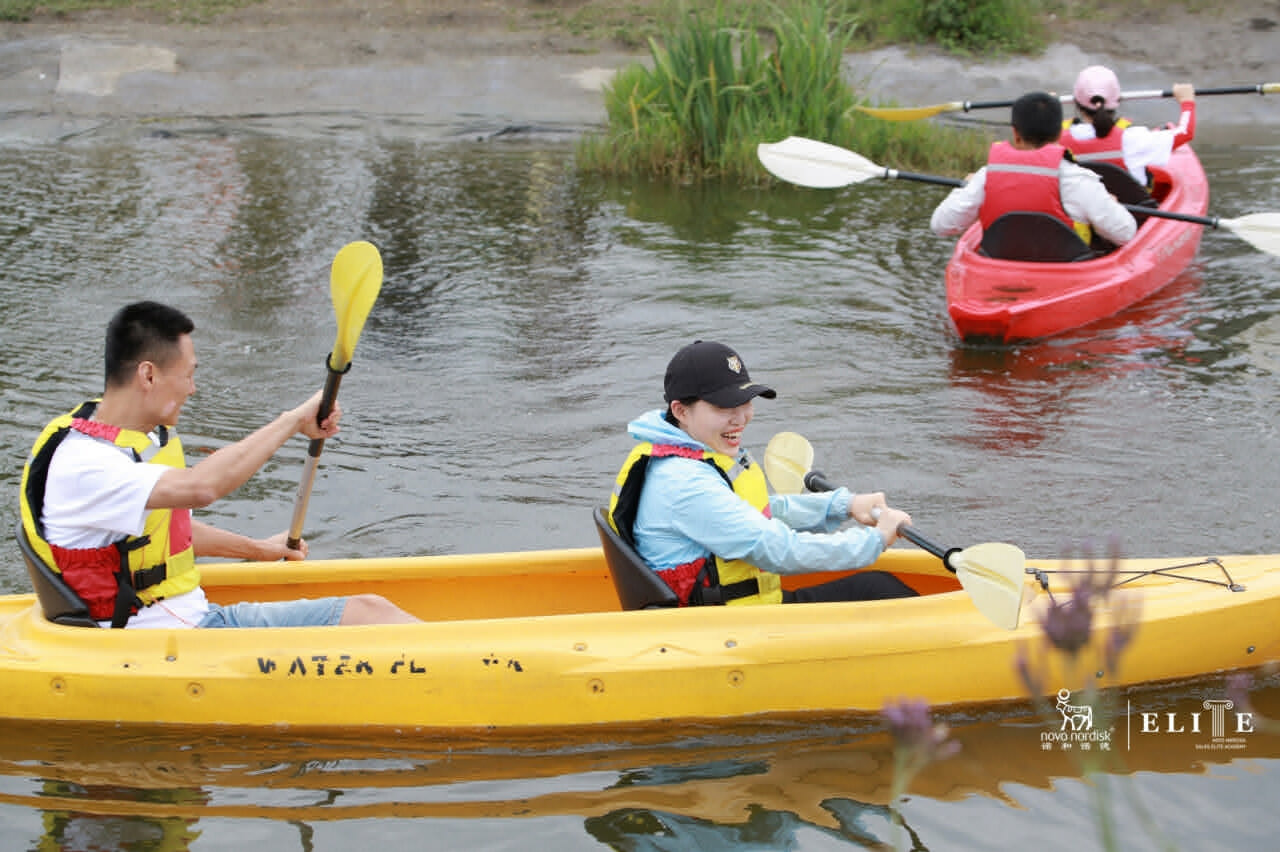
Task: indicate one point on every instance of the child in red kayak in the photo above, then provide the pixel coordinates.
(1034, 173)
(1098, 134)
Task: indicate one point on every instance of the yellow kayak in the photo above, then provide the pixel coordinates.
(538, 640)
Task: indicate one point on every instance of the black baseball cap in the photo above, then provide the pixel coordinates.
(714, 372)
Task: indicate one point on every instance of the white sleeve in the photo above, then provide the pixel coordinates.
(1144, 146)
(1085, 199)
(960, 208)
(95, 493)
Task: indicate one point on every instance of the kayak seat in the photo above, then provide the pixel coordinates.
(638, 587)
(59, 603)
(1121, 184)
(1034, 237)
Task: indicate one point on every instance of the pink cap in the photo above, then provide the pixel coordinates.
(1100, 82)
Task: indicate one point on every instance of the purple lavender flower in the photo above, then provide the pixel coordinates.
(911, 724)
(1068, 623)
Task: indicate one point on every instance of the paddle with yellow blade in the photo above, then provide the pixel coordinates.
(991, 573)
(808, 162)
(354, 281)
(917, 113)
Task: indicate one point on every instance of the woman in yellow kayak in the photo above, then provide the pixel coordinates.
(697, 508)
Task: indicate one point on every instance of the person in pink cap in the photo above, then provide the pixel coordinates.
(1098, 134)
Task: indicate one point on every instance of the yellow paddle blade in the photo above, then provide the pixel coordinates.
(910, 113)
(993, 574)
(354, 281)
(787, 458)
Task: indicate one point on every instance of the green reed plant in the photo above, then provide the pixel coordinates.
(715, 87)
(688, 113)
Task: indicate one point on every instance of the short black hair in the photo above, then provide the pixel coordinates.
(142, 331)
(1037, 116)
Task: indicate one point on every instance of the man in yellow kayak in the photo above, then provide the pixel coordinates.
(107, 496)
(697, 508)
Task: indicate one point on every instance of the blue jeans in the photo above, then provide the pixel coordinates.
(322, 612)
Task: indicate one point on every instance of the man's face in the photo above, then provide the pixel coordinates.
(173, 382)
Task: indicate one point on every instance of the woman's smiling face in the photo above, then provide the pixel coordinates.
(718, 428)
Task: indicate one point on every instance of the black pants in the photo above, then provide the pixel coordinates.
(863, 586)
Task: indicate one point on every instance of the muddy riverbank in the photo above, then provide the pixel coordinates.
(456, 68)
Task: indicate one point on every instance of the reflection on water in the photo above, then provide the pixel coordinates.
(525, 316)
(800, 784)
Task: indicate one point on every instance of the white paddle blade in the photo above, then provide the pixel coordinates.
(787, 458)
(993, 574)
(808, 162)
(1260, 229)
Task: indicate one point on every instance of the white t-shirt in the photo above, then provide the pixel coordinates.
(95, 495)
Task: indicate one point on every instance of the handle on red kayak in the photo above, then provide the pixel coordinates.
(815, 481)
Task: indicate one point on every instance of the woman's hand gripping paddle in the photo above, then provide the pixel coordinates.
(991, 573)
(354, 282)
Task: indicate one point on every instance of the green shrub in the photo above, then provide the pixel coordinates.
(713, 90)
(967, 26)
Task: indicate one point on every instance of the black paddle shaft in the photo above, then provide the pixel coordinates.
(815, 481)
(327, 398)
(939, 180)
(1259, 88)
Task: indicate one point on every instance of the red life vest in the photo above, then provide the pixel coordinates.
(1023, 182)
(1108, 149)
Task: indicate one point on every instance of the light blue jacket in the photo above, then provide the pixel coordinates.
(687, 511)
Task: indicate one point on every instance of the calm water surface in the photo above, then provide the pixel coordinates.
(525, 316)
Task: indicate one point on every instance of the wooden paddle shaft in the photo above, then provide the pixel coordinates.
(327, 398)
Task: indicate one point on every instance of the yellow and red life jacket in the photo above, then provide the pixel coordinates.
(710, 579)
(118, 579)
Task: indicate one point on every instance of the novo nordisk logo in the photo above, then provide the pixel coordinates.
(1226, 730)
(1076, 730)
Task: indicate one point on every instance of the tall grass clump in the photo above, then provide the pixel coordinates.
(715, 88)
(708, 94)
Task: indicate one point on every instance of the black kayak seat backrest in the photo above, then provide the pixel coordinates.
(637, 585)
(59, 603)
(1121, 184)
(1033, 237)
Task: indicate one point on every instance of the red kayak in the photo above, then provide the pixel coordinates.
(1005, 300)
